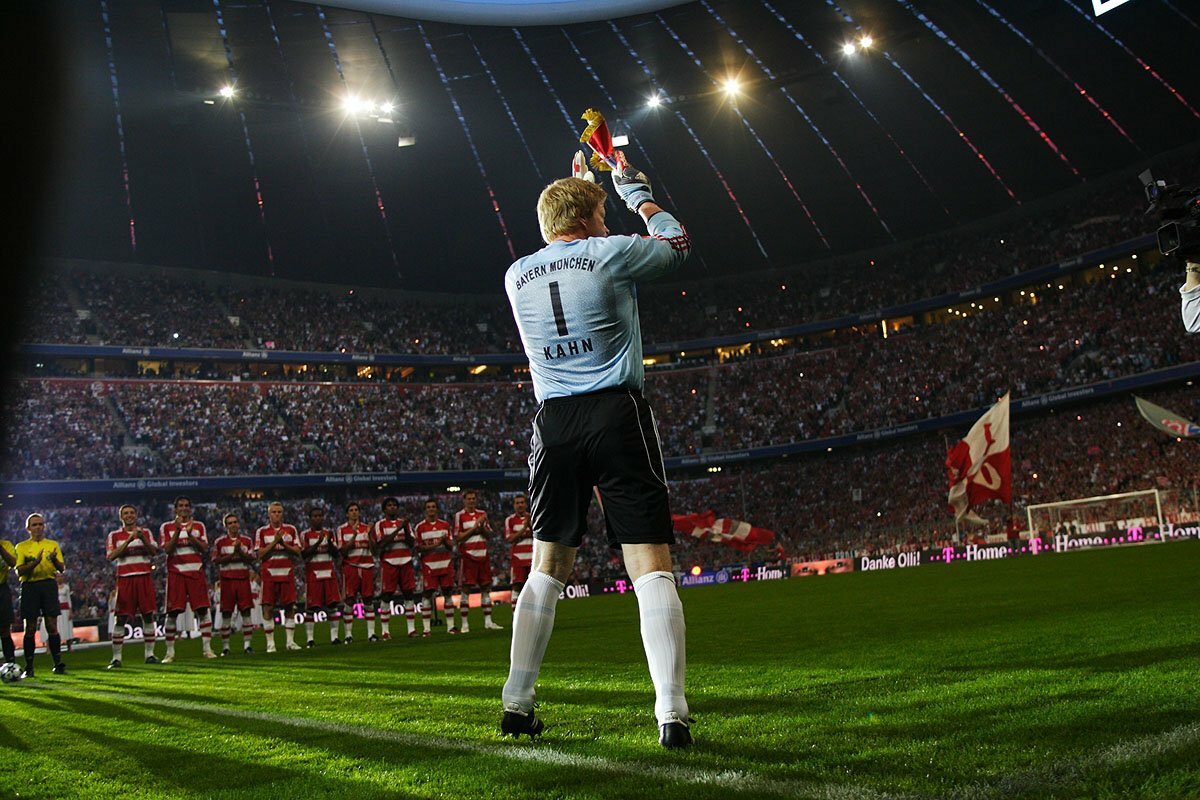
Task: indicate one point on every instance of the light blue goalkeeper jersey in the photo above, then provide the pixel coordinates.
(575, 304)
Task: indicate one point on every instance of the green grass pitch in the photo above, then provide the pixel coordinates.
(1057, 676)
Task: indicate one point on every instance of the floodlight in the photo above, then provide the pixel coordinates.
(848, 48)
(227, 92)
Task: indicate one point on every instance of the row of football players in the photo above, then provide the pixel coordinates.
(375, 564)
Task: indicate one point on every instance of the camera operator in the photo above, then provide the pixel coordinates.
(1190, 294)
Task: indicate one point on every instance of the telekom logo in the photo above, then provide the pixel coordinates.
(948, 554)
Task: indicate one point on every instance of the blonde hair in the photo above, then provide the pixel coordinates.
(564, 203)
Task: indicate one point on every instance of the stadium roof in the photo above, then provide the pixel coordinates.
(957, 111)
(508, 12)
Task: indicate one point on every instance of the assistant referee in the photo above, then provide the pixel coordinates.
(38, 559)
(575, 304)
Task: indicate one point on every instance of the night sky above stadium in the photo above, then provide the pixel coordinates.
(959, 110)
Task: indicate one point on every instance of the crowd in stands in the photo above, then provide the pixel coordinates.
(1113, 324)
(157, 310)
(1117, 325)
(182, 313)
(111, 429)
(1103, 324)
(55, 430)
(867, 500)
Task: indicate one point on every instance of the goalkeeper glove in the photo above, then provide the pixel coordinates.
(632, 185)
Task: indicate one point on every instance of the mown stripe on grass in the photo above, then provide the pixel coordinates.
(1064, 774)
(731, 780)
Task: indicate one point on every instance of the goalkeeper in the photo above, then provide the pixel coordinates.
(575, 304)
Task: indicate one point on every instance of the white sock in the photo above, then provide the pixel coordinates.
(116, 649)
(333, 629)
(370, 626)
(308, 628)
(533, 622)
(410, 617)
(289, 632)
(663, 635)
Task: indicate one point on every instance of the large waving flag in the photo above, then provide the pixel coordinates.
(1166, 420)
(979, 466)
(732, 532)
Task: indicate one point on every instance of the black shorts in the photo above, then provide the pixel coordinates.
(39, 599)
(605, 439)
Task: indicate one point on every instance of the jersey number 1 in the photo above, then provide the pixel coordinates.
(560, 319)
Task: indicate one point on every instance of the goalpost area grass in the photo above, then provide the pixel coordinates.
(1073, 675)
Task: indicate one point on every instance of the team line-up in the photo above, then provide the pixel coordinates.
(374, 565)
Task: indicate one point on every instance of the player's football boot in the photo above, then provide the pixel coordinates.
(224, 652)
(27, 674)
(209, 654)
(115, 664)
(454, 631)
(151, 659)
(270, 647)
(674, 733)
(387, 637)
(374, 637)
(427, 634)
(248, 650)
(515, 722)
(349, 640)
(413, 634)
(465, 628)
(335, 640)
(491, 626)
(311, 643)
(169, 659)
(59, 669)
(293, 646)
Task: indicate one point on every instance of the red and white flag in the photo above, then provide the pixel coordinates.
(979, 466)
(732, 532)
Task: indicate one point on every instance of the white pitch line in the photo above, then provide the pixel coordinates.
(730, 780)
(1064, 773)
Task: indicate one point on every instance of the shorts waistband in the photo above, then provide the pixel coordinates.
(626, 390)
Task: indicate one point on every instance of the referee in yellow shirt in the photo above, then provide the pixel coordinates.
(38, 559)
(8, 558)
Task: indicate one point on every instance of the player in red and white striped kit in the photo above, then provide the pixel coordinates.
(277, 544)
(132, 548)
(233, 553)
(66, 614)
(321, 590)
(436, 547)
(519, 534)
(185, 541)
(393, 540)
(357, 544)
(471, 531)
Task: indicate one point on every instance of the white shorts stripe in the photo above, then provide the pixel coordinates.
(661, 476)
